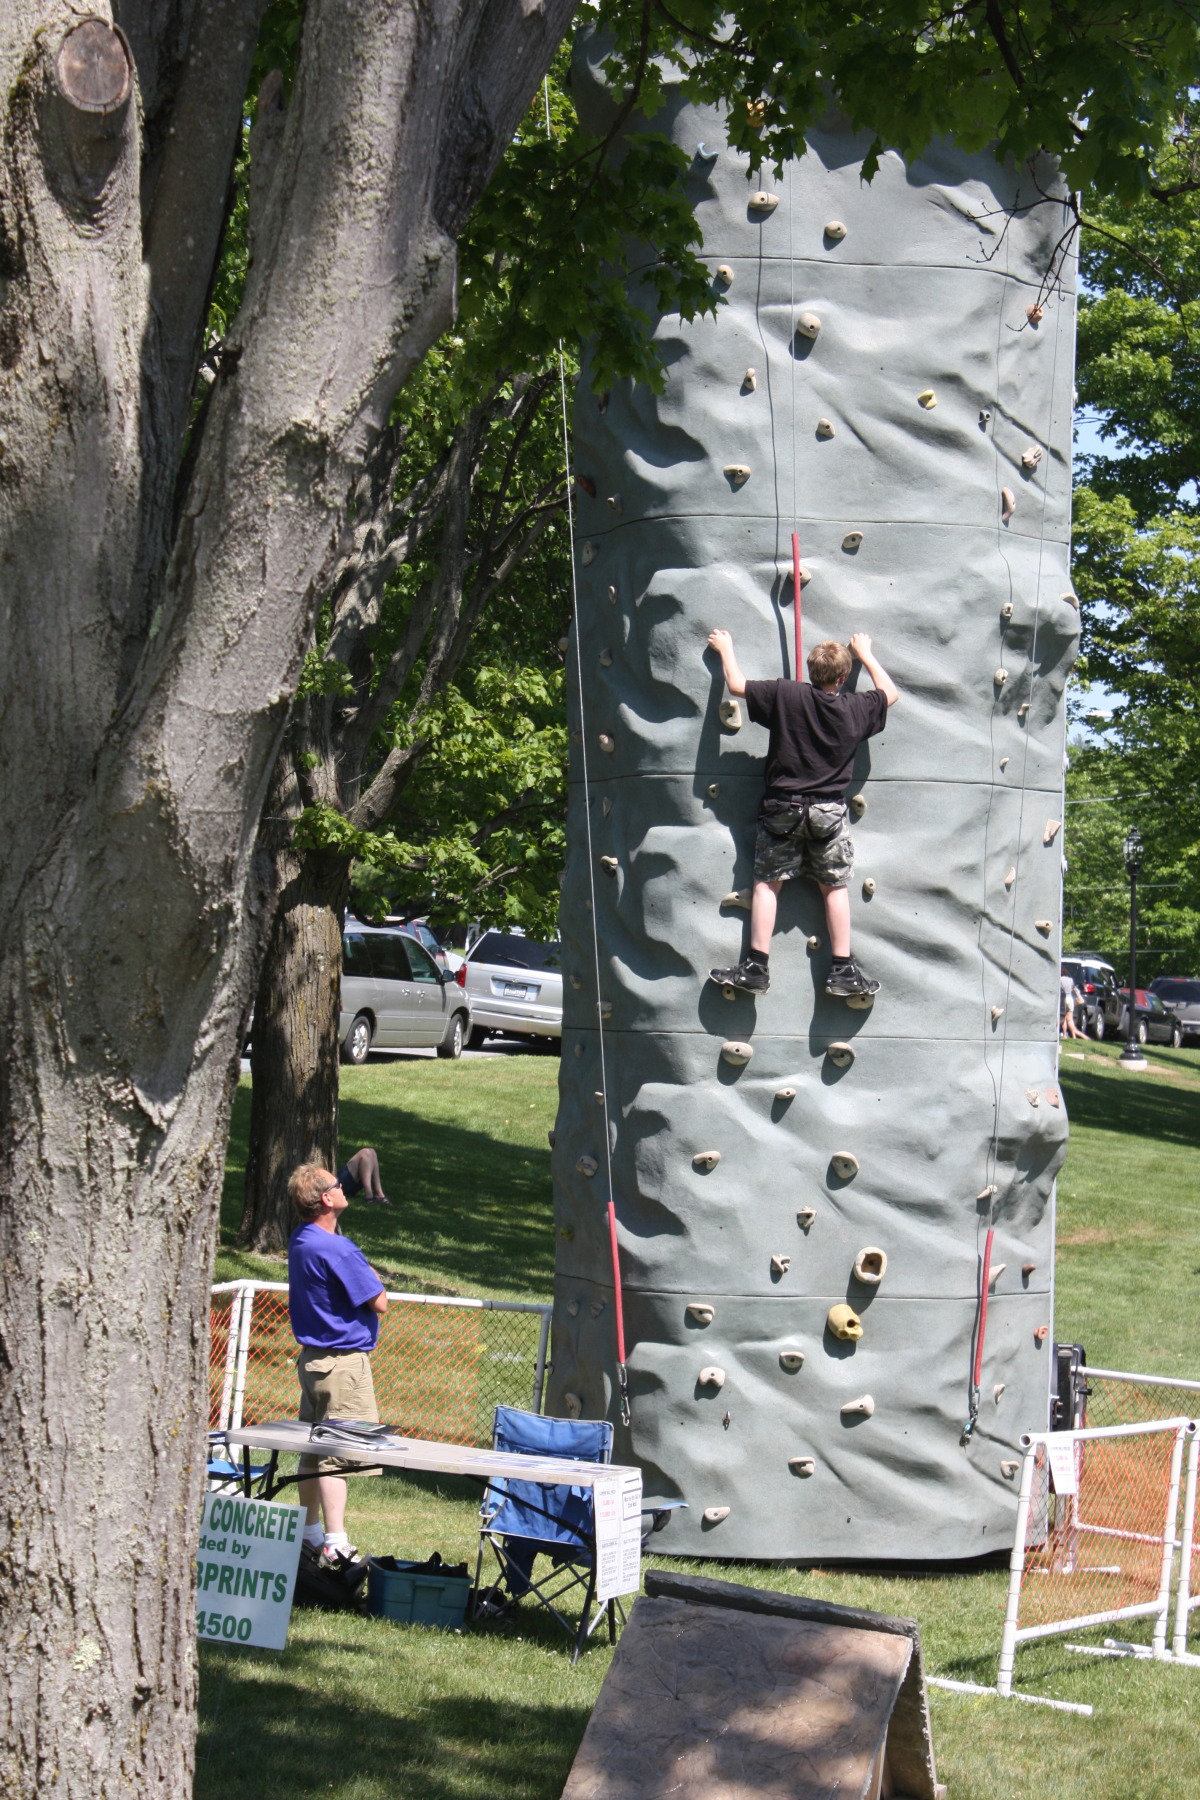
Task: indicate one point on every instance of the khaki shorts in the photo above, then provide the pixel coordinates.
(811, 839)
(336, 1384)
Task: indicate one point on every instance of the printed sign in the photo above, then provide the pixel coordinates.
(1063, 1471)
(246, 1569)
(618, 1533)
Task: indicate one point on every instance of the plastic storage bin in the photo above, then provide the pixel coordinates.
(417, 1593)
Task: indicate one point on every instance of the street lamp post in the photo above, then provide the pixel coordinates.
(1131, 1057)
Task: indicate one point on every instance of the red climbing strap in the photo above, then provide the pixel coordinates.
(622, 1377)
(796, 598)
(983, 1303)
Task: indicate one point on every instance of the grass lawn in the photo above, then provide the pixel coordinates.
(361, 1710)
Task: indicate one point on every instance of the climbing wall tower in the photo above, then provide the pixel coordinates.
(890, 375)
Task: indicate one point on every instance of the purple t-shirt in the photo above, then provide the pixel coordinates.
(330, 1283)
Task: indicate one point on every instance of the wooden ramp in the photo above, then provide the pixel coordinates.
(719, 1692)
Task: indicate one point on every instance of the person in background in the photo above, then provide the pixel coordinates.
(1068, 999)
(360, 1175)
(335, 1303)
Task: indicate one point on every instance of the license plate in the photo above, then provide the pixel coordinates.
(515, 990)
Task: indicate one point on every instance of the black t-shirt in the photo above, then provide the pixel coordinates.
(813, 735)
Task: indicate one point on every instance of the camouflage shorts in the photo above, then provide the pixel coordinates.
(806, 840)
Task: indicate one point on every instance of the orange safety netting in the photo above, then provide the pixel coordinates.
(220, 1362)
(1120, 1402)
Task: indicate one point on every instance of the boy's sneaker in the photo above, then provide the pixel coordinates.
(751, 977)
(849, 983)
(345, 1561)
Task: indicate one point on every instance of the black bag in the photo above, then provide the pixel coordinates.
(335, 1590)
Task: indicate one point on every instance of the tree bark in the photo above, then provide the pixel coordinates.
(150, 657)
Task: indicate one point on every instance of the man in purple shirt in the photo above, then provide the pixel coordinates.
(335, 1302)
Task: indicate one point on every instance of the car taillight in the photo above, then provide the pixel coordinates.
(460, 974)
(1089, 987)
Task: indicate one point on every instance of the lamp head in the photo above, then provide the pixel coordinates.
(1131, 849)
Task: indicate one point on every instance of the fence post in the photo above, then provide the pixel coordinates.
(1159, 1641)
(539, 1373)
(239, 1385)
(1016, 1568)
(233, 1331)
(1183, 1593)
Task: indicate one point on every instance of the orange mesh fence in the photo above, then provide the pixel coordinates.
(1115, 1398)
(224, 1304)
(439, 1369)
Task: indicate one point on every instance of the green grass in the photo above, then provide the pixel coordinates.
(361, 1710)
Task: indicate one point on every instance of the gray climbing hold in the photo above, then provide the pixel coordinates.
(700, 1313)
(587, 1165)
(738, 897)
(1008, 505)
(564, 644)
(1000, 676)
(579, 1050)
(1052, 829)
(785, 1094)
(870, 1265)
(573, 1406)
(713, 789)
(588, 553)
(712, 1376)
(606, 806)
(862, 1408)
(607, 742)
(763, 202)
(597, 1307)
(844, 1164)
(997, 1014)
(1045, 926)
(844, 1323)
(737, 474)
(1010, 877)
(835, 230)
(725, 274)
(928, 399)
(868, 887)
(780, 1264)
(852, 540)
(791, 1360)
(806, 1217)
(1031, 457)
(840, 1055)
(706, 1159)
(989, 1192)
(609, 864)
(606, 658)
(825, 429)
(858, 805)
(802, 1465)
(714, 1514)
(808, 325)
(749, 381)
(731, 715)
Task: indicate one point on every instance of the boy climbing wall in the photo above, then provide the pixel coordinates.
(815, 729)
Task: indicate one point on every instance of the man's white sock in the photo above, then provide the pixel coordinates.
(337, 1540)
(314, 1535)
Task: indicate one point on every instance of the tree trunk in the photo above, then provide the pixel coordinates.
(294, 1047)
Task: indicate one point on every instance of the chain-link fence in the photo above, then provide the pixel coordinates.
(440, 1367)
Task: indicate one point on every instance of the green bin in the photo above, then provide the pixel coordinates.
(413, 1593)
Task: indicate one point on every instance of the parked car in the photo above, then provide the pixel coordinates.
(1153, 1023)
(395, 997)
(514, 986)
(1183, 997)
(1097, 982)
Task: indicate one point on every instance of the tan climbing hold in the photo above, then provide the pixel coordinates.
(997, 1014)
(749, 381)
(814, 942)
(576, 981)
(1041, 1333)
(612, 596)
(712, 1376)
(844, 1323)
(614, 503)
(737, 474)
(780, 1264)
(700, 1313)
(860, 1002)
(870, 1265)
(862, 1408)
(791, 1360)
(714, 1514)
(763, 201)
(868, 887)
(604, 1009)
(825, 429)
(1004, 762)
(844, 1164)
(713, 789)
(609, 864)
(858, 805)
(1033, 1097)
(606, 658)
(564, 644)
(988, 1192)
(738, 897)
(573, 1405)
(606, 806)
(731, 715)
(607, 742)
(994, 1275)
(1035, 313)
(1000, 676)
(736, 1052)
(1006, 611)
(1008, 1468)
(1071, 598)
(852, 540)
(598, 1096)
(1053, 1097)
(1031, 457)
(1053, 827)
(587, 1165)
(805, 575)
(835, 230)
(840, 1055)
(573, 1308)
(706, 1159)
(998, 1390)
(808, 325)
(806, 1217)
(1045, 926)
(725, 274)
(785, 1093)
(1008, 505)
(1027, 1269)
(928, 399)
(1023, 710)
(802, 1465)
(1010, 877)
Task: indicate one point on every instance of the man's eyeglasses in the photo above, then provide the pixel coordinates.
(335, 1187)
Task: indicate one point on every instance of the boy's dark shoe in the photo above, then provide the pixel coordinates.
(849, 983)
(751, 977)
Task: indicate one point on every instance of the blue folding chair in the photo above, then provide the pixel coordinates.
(224, 1476)
(522, 1520)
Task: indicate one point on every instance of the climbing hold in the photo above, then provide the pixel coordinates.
(609, 864)
(606, 658)
(987, 1192)
(1041, 1333)
(730, 715)
(860, 1002)
(984, 417)
(1000, 676)
(805, 576)
(738, 897)
(1009, 1469)
(607, 743)
(835, 230)
(712, 1376)
(1031, 457)
(737, 474)
(576, 981)
(814, 943)
(997, 1014)
(791, 1360)
(749, 381)
(802, 1465)
(700, 1314)
(1027, 1269)
(606, 806)
(868, 887)
(713, 789)
(725, 274)
(736, 1053)
(1053, 1097)
(612, 596)
(1033, 1097)
(1071, 598)
(862, 1408)
(808, 325)
(567, 1231)
(858, 805)
(1008, 505)
(587, 1165)
(927, 399)
(780, 1264)
(729, 992)
(588, 553)
(579, 1050)
(550, 1136)
(1035, 313)
(1010, 877)
(714, 1514)
(564, 644)
(844, 1323)
(844, 1165)
(840, 1055)
(1006, 611)
(998, 1390)
(1045, 926)
(598, 1097)
(587, 484)
(597, 1307)
(1053, 827)
(784, 1094)
(1023, 710)
(614, 503)
(604, 1009)
(825, 428)
(870, 1265)
(762, 202)
(1004, 762)
(706, 1159)
(852, 540)
(994, 1275)
(806, 1217)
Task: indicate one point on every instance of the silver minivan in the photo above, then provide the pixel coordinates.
(395, 997)
(514, 986)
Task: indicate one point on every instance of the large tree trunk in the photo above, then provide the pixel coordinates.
(150, 658)
(294, 1047)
